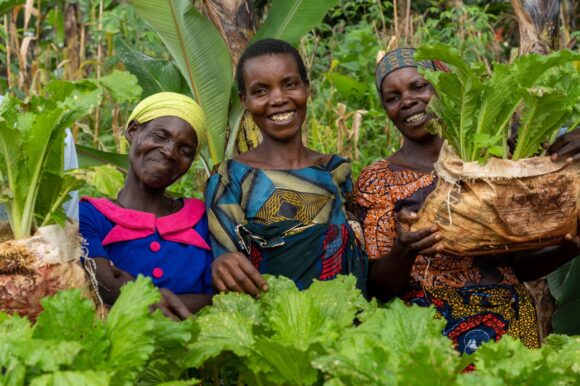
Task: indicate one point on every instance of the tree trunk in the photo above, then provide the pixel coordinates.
(73, 41)
(235, 21)
(538, 24)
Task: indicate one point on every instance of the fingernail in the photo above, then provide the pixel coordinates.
(434, 228)
(264, 288)
(568, 236)
(554, 156)
(440, 248)
(438, 237)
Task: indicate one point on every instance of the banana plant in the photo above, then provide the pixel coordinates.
(204, 59)
(565, 287)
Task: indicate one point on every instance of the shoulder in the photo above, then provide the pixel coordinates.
(376, 173)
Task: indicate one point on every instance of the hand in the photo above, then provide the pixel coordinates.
(425, 241)
(232, 271)
(567, 145)
(171, 305)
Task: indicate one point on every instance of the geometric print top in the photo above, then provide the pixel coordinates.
(383, 189)
(238, 194)
(287, 222)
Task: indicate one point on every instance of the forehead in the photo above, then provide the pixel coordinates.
(400, 78)
(268, 65)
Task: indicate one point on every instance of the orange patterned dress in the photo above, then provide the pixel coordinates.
(480, 300)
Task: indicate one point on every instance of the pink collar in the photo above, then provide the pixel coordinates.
(133, 224)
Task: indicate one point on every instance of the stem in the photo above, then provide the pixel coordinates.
(55, 206)
(522, 135)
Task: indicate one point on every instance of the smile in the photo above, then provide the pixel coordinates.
(416, 118)
(282, 117)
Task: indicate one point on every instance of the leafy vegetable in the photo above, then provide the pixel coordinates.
(328, 334)
(475, 108)
(32, 147)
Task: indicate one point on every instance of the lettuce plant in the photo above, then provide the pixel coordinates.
(475, 108)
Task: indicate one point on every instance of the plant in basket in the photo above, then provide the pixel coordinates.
(491, 199)
(40, 249)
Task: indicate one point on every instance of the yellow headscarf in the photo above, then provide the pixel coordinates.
(172, 104)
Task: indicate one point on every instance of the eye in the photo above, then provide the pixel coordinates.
(391, 99)
(291, 84)
(159, 135)
(420, 86)
(259, 91)
(186, 151)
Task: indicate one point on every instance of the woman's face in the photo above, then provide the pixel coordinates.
(405, 95)
(162, 150)
(276, 95)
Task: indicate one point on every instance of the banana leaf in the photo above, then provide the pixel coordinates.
(202, 57)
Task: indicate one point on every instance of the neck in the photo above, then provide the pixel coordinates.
(284, 155)
(134, 195)
(422, 155)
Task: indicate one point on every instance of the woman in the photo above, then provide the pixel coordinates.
(144, 231)
(279, 208)
(481, 299)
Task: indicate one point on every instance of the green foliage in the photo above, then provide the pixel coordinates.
(71, 345)
(475, 108)
(32, 146)
(565, 287)
(328, 334)
(31, 151)
(468, 28)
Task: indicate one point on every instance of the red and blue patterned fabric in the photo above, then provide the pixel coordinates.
(172, 250)
(288, 222)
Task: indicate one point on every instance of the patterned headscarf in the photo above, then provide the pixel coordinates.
(172, 104)
(399, 58)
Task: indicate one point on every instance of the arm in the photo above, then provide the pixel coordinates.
(231, 270)
(389, 274)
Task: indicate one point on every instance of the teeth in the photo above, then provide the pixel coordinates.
(415, 118)
(282, 116)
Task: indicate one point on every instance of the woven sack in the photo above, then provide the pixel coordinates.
(502, 206)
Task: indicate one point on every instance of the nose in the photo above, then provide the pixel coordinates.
(278, 97)
(408, 100)
(169, 149)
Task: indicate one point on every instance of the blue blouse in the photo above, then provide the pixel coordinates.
(172, 250)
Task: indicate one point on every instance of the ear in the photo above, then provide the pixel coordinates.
(132, 129)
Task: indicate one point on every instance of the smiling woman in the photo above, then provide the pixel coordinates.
(144, 232)
(280, 208)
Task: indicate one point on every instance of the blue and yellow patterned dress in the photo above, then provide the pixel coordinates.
(288, 222)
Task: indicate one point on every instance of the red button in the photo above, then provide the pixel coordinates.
(157, 273)
(154, 246)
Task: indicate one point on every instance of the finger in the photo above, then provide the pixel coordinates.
(427, 242)
(166, 311)
(433, 250)
(231, 283)
(408, 238)
(254, 275)
(217, 282)
(571, 148)
(178, 308)
(558, 143)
